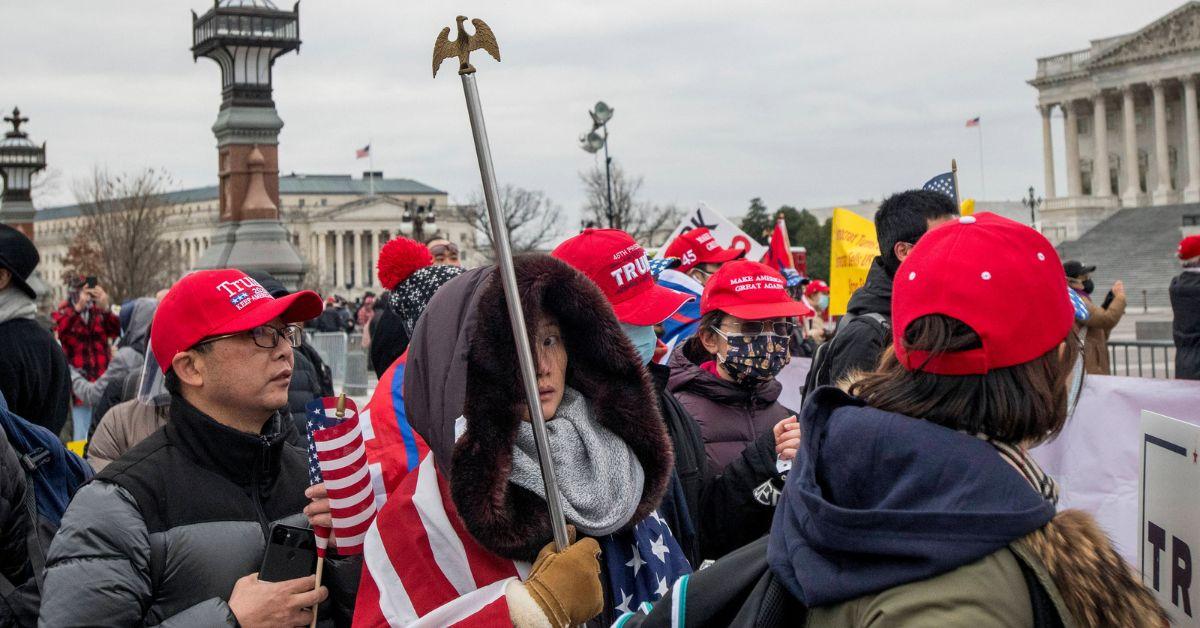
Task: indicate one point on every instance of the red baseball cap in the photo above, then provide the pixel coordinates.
(815, 286)
(619, 266)
(698, 246)
(971, 269)
(216, 302)
(1189, 247)
(750, 290)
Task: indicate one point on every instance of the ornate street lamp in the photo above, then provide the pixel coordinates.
(244, 37)
(1033, 202)
(20, 159)
(592, 142)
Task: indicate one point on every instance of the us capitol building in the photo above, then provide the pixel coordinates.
(1131, 133)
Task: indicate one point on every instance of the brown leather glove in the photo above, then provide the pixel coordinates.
(566, 584)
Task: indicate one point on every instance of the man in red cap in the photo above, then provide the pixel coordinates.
(176, 528)
(1185, 301)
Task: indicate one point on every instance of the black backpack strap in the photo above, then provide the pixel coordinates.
(1045, 614)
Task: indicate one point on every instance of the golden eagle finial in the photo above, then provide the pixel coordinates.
(483, 39)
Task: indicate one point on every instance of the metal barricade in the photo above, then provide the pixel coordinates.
(332, 347)
(1142, 358)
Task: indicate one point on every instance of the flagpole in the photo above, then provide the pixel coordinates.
(954, 176)
(371, 165)
(982, 180)
(340, 413)
(483, 38)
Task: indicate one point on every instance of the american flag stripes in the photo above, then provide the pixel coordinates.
(973, 122)
(337, 457)
(363, 152)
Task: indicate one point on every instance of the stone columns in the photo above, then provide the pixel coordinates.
(1162, 190)
(1074, 178)
(360, 277)
(322, 257)
(1191, 193)
(1133, 185)
(1101, 186)
(339, 260)
(376, 237)
(1047, 150)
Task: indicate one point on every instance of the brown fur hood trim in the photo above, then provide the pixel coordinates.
(602, 365)
(1096, 585)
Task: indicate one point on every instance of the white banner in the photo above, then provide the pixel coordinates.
(1096, 460)
(726, 233)
(1170, 517)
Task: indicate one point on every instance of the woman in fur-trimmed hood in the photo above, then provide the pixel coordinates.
(481, 483)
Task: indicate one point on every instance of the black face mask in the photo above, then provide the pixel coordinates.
(1089, 286)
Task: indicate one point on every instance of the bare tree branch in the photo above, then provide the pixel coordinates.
(532, 219)
(646, 222)
(124, 220)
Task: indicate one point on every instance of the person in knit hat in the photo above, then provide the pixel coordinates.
(405, 267)
(1185, 301)
(399, 258)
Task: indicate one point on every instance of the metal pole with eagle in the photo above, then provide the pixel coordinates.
(461, 47)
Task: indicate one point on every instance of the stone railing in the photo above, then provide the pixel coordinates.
(1065, 63)
(1082, 202)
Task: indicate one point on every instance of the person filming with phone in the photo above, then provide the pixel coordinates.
(175, 531)
(85, 326)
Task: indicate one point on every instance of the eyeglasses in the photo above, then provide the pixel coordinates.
(782, 329)
(266, 336)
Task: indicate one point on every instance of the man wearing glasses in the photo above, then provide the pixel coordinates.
(174, 531)
(444, 252)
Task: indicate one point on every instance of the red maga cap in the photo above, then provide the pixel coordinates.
(698, 246)
(751, 291)
(619, 266)
(815, 286)
(999, 277)
(1189, 247)
(216, 302)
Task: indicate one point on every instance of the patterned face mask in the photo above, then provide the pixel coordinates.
(754, 360)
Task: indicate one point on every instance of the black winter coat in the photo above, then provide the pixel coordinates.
(15, 527)
(171, 526)
(858, 344)
(1185, 301)
(389, 340)
(33, 374)
(729, 509)
(307, 384)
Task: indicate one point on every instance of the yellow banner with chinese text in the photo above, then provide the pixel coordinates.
(853, 247)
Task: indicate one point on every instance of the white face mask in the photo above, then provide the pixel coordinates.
(643, 338)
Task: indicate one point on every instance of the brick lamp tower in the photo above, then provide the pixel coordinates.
(245, 37)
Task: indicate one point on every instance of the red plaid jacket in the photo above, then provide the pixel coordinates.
(86, 343)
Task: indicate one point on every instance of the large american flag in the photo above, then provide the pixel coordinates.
(337, 456)
(943, 183)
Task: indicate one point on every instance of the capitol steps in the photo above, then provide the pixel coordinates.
(1136, 245)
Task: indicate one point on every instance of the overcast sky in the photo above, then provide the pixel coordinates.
(804, 103)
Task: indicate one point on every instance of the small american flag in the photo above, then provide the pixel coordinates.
(943, 183)
(363, 152)
(973, 122)
(337, 456)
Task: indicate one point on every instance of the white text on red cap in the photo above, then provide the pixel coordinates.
(236, 291)
(631, 271)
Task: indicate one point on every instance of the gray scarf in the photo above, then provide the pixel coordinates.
(15, 304)
(599, 476)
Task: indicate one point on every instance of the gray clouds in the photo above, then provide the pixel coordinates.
(797, 102)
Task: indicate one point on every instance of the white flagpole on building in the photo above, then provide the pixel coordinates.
(371, 165)
(982, 181)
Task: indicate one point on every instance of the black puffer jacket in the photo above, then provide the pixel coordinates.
(1185, 300)
(162, 534)
(15, 527)
(859, 343)
(307, 384)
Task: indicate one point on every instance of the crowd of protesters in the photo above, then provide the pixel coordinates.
(901, 492)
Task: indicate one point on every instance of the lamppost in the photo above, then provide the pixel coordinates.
(1033, 202)
(593, 142)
